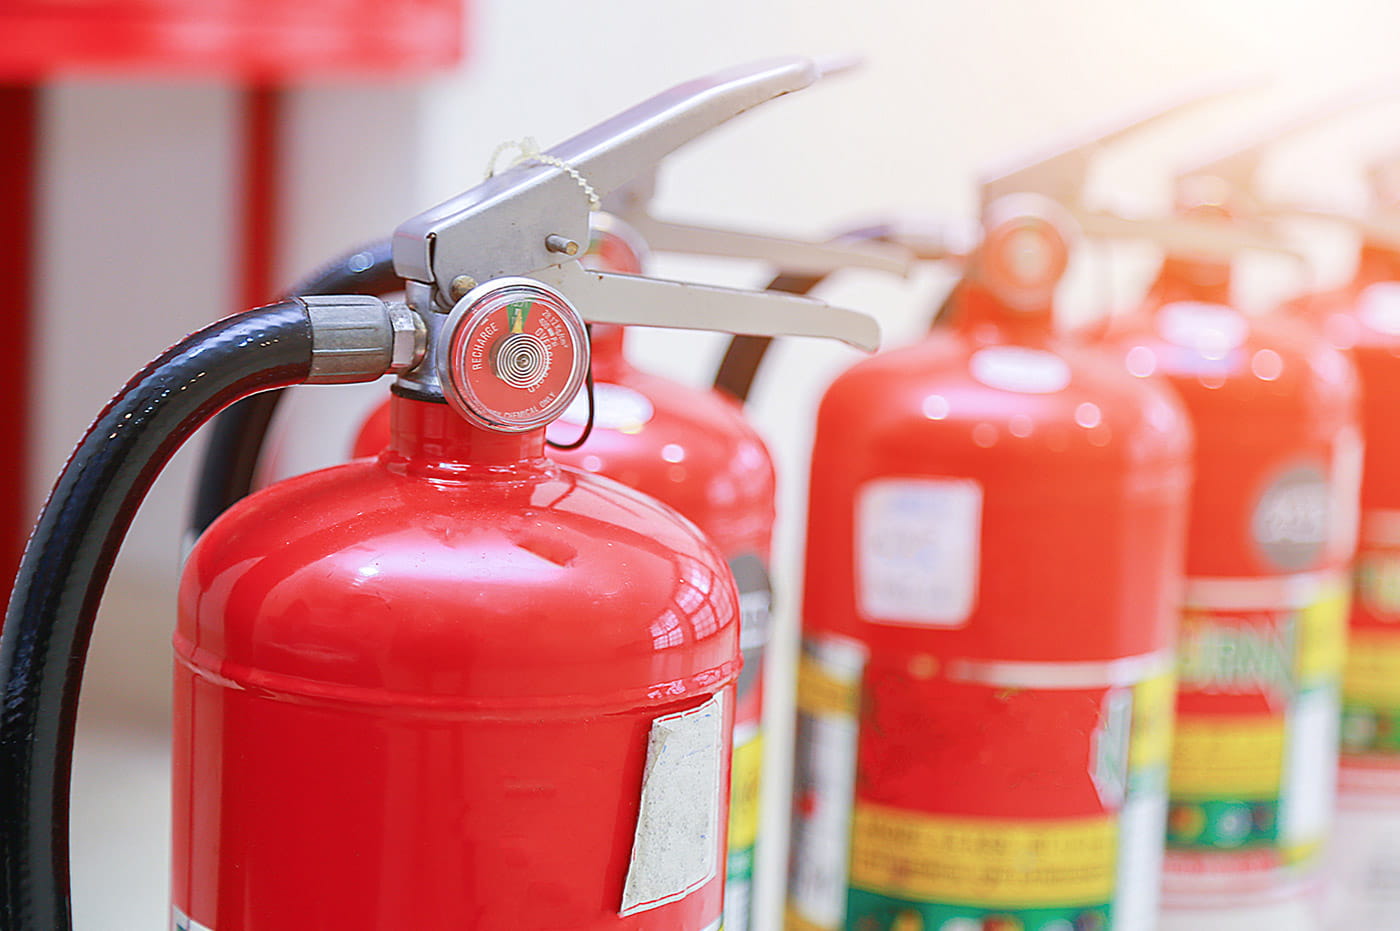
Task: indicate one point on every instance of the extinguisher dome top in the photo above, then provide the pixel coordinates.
(536, 587)
(691, 448)
(1272, 367)
(959, 404)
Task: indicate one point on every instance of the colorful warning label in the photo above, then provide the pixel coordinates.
(971, 861)
(877, 845)
(1251, 764)
(1371, 680)
(743, 829)
(755, 604)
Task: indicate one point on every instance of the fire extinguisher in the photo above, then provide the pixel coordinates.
(689, 448)
(995, 533)
(694, 450)
(1360, 317)
(1263, 612)
(459, 686)
(984, 691)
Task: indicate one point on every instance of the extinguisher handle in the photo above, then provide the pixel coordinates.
(1236, 162)
(631, 300)
(516, 222)
(1379, 227)
(1061, 170)
(744, 355)
(794, 256)
(1178, 235)
(631, 204)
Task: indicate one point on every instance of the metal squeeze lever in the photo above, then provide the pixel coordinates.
(519, 222)
(1235, 167)
(1381, 225)
(632, 204)
(1062, 172)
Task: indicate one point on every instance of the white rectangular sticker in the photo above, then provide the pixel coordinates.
(676, 848)
(917, 542)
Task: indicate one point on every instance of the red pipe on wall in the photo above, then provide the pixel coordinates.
(19, 119)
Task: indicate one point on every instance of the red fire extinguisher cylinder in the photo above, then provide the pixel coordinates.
(994, 537)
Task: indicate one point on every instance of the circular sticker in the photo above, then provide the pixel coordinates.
(614, 408)
(515, 357)
(1379, 307)
(1016, 368)
(1292, 518)
(1210, 329)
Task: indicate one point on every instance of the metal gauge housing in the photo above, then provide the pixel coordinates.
(515, 356)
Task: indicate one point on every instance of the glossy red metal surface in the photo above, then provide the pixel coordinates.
(693, 450)
(993, 557)
(265, 39)
(1085, 477)
(417, 691)
(1271, 536)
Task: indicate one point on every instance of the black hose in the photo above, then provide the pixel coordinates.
(230, 460)
(65, 568)
(744, 355)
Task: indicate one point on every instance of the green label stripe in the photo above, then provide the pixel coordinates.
(1223, 824)
(1368, 729)
(517, 314)
(870, 911)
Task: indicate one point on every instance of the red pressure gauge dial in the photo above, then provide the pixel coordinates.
(516, 355)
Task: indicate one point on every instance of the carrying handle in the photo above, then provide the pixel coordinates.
(1061, 171)
(524, 218)
(1234, 166)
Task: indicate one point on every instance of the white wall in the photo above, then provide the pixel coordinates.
(137, 208)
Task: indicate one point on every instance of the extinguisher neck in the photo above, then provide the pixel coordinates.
(978, 312)
(429, 438)
(609, 351)
(1192, 279)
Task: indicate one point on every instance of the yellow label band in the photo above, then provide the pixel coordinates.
(744, 793)
(818, 692)
(1373, 668)
(983, 861)
(1322, 635)
(1154, 703)
(1224, 755)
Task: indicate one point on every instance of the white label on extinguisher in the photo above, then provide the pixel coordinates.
(179, 921)
(675, 850)
(1348, 458)
(917, 542)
